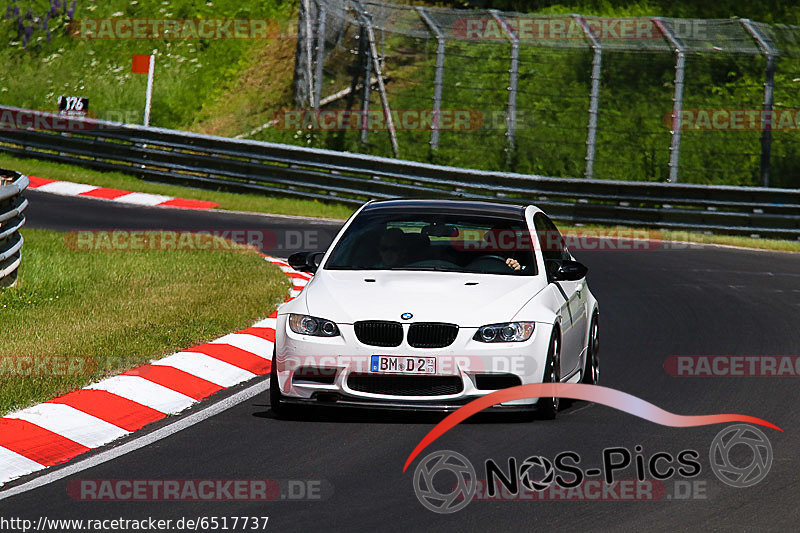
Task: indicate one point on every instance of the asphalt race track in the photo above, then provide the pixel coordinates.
(74, 214)
(654, 304)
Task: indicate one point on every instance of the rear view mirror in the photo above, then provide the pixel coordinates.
(567, 271)
(306, 261)
(440, 230)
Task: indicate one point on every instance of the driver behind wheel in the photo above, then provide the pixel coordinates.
(504, 238)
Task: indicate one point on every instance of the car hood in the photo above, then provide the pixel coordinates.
(469, 300)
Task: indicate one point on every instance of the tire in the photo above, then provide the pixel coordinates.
(590, 375)
(276, 403)
(547, 408)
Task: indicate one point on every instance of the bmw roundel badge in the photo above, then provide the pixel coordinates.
(406, 316)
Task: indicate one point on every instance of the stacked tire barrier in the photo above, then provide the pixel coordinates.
(12, 204)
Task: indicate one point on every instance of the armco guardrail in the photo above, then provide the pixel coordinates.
(11, 219)
(203, 160)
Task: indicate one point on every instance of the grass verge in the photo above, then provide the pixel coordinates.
(107, 311)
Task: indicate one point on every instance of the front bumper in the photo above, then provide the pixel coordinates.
(298, 357)
(337, 401)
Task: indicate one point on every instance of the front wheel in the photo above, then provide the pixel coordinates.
(276, 402)
(547, 408)
(590, 375)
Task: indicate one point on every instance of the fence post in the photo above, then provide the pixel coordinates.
(373, 55)
(677, 99)
(320, 52)
(767, 119)
(308, 46)
(594, 97)
(438, 76)
(366, 61)
(511, 114)
(300, 83)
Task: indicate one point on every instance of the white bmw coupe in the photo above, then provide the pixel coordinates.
(429, 304)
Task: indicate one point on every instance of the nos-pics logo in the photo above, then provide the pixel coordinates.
(445, 481)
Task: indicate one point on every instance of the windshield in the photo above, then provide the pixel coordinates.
(435, 242)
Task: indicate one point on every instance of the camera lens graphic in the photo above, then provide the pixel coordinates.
(723, 465)
(525, 473)
(462, 492)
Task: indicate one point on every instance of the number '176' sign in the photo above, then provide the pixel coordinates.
(73, 105)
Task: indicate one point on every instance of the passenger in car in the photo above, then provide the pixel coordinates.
(392, 249)
(418, 247)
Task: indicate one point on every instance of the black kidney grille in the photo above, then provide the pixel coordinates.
(379, 332)
(405, 385)
(432, 334)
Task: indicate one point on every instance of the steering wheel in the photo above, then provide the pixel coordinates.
(433, 263)
(491, 257)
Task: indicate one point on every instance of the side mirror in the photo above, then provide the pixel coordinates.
(567, 271)
(306, 261)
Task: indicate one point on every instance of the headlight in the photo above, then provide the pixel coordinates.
(310, 325)
(508, 332)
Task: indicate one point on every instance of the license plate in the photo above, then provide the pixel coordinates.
(390, 364)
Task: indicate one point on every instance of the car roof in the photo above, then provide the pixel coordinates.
(447, 206)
